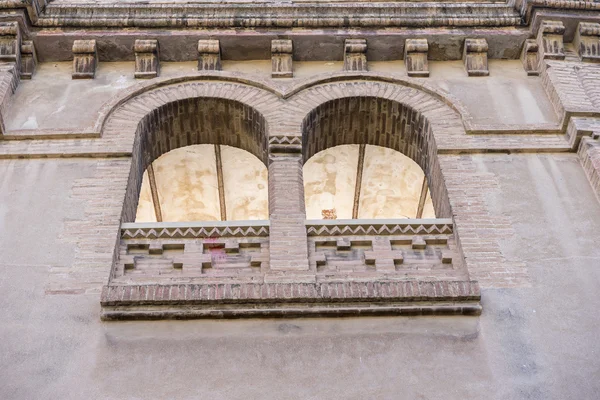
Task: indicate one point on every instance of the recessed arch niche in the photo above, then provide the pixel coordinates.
(365, 182)
(189, 122)
(378, 122)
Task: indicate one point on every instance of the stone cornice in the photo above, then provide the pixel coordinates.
(307, 15)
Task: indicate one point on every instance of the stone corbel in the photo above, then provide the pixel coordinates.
(10, 42)
(550, 40)
(529, 57)
(415, 57)
(28, 59)
(85, 59)
(587, 41)
(281, 59)
(209, 55)
(475, 57)
(355, 55)
(147, 59)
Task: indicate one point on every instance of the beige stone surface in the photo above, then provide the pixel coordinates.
(245, 179)
(145, 210)
(187, 185)
(390, 188)
(329, 181)
(186, 180)
(391, 185)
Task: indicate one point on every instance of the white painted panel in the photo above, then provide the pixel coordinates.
(186, 180)
(329, 182)
(391, 185)
(246, 185)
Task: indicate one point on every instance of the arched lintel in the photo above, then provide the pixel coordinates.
(275, 89)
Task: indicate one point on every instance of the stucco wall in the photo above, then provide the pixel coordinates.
(507, 96)
(537, 340)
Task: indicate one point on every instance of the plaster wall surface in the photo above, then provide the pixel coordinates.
(188, 189)
(534, 341)
(52, 100)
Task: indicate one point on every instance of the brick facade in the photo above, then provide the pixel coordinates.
(284, 123)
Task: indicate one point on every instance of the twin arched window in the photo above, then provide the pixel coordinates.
(217, 183)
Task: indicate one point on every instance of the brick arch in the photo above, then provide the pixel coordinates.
(383, 114)
(166, 118)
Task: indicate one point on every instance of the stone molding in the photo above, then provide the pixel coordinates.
(191, 230)
(379, 227)
(235, 300)
(587, 41)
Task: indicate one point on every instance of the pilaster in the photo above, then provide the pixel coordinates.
(288, 239)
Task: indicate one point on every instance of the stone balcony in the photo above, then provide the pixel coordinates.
(221, 269)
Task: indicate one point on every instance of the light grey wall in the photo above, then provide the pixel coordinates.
(535, 341)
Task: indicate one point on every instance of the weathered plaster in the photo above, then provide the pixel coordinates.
(507, 96)
(187, 186)
(538, 342)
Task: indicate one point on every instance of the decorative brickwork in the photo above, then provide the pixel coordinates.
(234, 300)
(190, 258)
(395, 249)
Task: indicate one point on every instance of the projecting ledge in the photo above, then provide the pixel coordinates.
(290, 300)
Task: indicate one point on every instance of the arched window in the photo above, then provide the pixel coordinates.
(365, 182)
(204, 183)
(370, 158)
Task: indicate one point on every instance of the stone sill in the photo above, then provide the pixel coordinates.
(232, 300)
